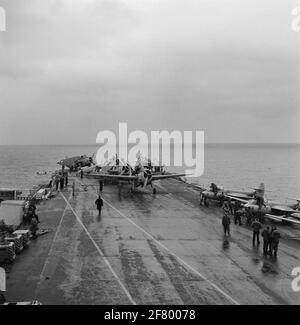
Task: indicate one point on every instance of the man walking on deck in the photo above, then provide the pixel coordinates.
(275, 236)
(56, 182)
(256, 226)
(66, 179)
(226, 224)
(266, 234)
(237, 213)
(62, 182)
(99, 205)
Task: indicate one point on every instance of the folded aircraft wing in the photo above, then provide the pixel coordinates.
(237, 199)
(282, 218)
(158, 177)
(112, 177)
(283, 208)
(240, 195)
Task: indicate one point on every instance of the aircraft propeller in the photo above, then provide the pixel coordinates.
(148, 176)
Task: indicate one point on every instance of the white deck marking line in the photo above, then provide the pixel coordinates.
(50, 250)
(101, 253)
(177, 257)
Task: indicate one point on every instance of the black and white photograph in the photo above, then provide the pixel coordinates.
(149, 155)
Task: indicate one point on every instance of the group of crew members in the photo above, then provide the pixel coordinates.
(270, 236)
(59, 180)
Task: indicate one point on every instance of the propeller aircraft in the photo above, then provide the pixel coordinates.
(76, 162)
(139, 176)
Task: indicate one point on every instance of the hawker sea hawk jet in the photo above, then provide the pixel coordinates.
(271, 210)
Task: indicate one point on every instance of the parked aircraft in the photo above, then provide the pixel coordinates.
(139, 176)
(272, 210)
(217, 193)
(76, 162)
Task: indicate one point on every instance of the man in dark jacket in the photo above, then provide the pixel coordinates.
(249, 216)
(62, 182)
(56, 182)
(34, 228)
(266, 234)
(275, 236)
(256, 226)
(99, 204)
(66, 179)
(230, 207)
(226, 224)
(237, 213)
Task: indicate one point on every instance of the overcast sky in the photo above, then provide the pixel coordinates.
(70, 68)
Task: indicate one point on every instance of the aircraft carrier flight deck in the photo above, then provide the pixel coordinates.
(148, 249)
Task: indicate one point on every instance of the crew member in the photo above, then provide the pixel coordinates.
(214, 188)
(249, 216)
(226, 224)
(32, 207)
(275, 236)
(259, 201)
(256, 226)
(222, 199)
(237, 213)
(230, 206)
(225, 207)
(266, 234)
(56, 182)
(34, 227)
(3, 226)
(66, 179)
(61, 181)
(2, 298)
(99, 204)
(73, 190)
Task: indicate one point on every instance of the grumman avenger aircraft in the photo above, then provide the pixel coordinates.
(272, 210)
(137, 177)
(113, 166)
(73, 163)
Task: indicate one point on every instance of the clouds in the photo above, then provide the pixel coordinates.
(80, 66)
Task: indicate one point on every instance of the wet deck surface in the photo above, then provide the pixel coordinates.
(148, 249)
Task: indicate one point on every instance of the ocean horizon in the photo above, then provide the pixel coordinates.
(231, 165)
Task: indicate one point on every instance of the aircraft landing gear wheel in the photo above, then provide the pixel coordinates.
(154, 191)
